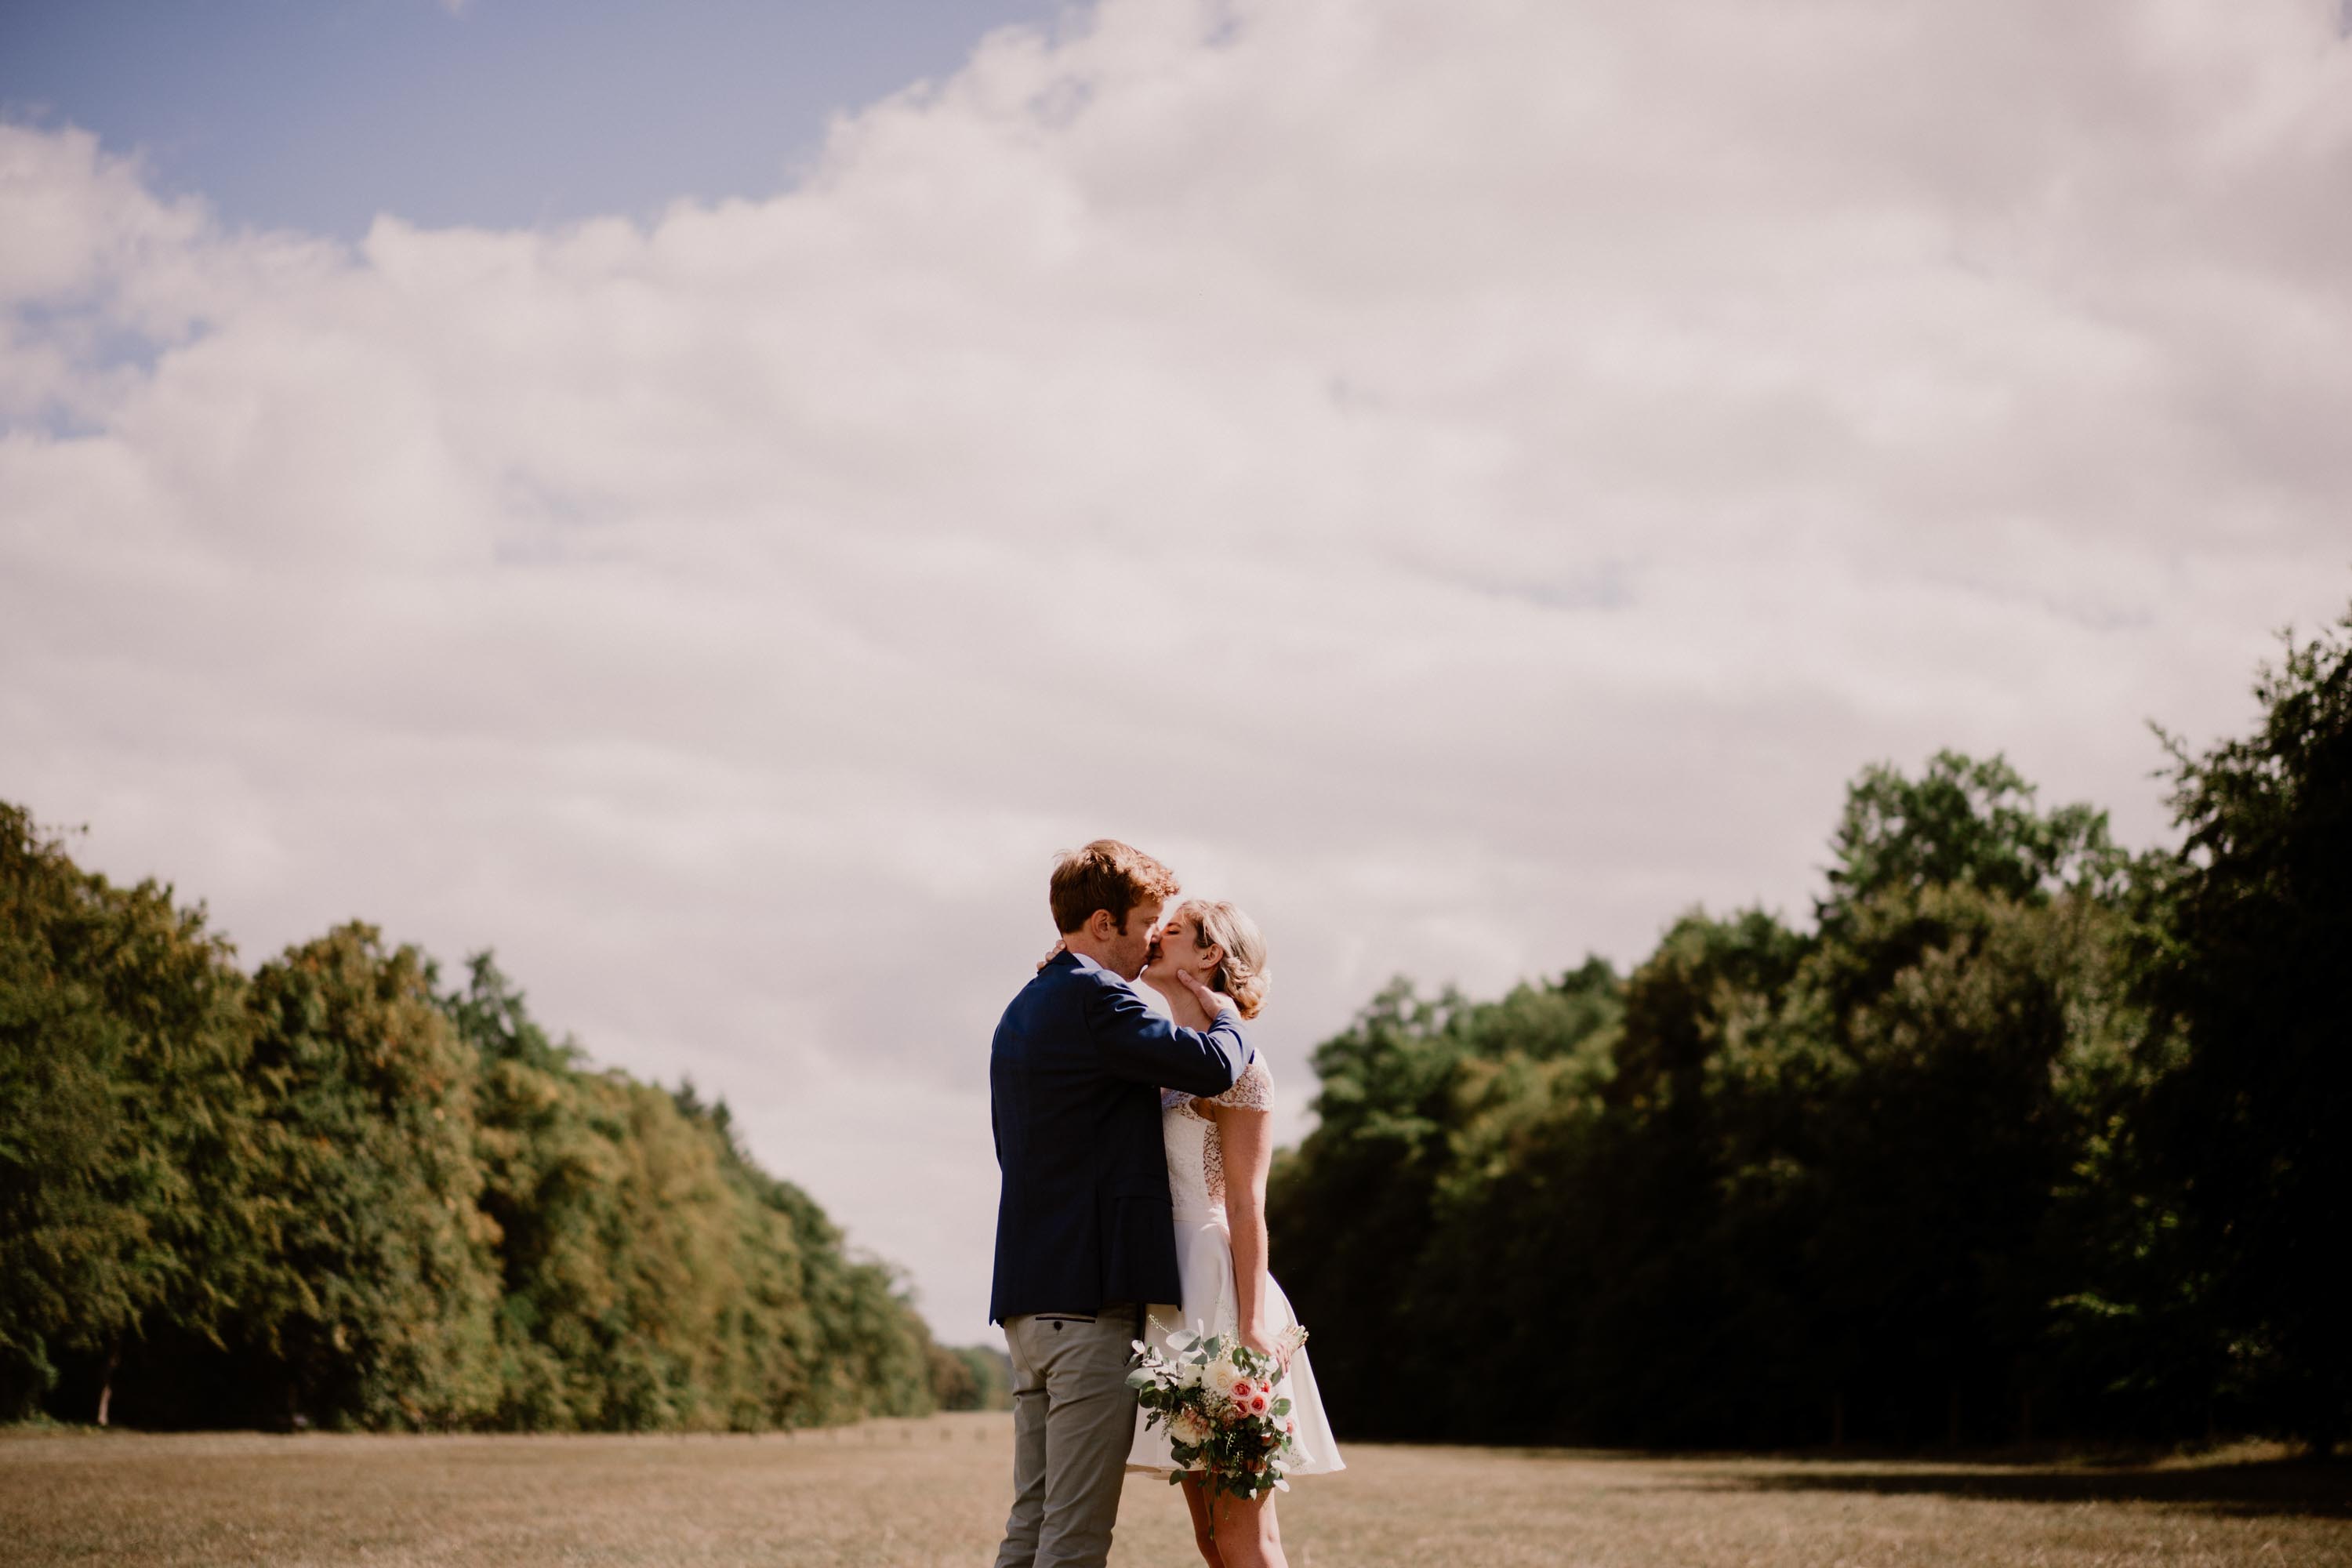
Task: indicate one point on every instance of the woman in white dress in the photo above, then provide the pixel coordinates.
(1218, 1153)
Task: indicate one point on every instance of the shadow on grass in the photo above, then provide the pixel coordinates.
(2294, 1488)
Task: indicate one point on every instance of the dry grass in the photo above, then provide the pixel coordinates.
(931, 1492)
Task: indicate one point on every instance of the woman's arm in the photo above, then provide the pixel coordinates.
(1249, 1155)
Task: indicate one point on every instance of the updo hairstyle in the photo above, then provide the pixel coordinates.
(1242, 974)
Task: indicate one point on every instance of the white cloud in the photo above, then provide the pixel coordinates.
(1467, 482)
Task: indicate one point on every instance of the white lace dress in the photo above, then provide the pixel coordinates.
(1204, 1262)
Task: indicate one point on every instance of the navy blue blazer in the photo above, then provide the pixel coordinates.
(1074, 1079)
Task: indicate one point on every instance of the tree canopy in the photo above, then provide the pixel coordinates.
(2019, 1133)
(331, 1193)
(2022, 1133)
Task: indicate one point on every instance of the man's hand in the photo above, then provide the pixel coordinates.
(1211, 1002)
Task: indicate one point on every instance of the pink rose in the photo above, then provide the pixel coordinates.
(1240, 1390)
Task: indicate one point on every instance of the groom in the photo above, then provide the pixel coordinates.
(1084, 1240)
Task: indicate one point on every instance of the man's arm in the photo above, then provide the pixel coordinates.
(1137, 1043)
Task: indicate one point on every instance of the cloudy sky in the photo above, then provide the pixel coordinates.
(707, 500)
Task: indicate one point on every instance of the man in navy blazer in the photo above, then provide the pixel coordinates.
(1085, 1239)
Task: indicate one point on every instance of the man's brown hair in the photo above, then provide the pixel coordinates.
(1106, 875)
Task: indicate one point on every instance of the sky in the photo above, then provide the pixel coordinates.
(319, 114)
(706, 503)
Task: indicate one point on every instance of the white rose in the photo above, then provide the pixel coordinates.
(1188, 1427)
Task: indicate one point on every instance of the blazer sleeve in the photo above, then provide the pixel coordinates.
(1137, 1043)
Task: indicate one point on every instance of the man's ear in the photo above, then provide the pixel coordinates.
(1101, 927)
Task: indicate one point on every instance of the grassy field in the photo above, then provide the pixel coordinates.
(931, 1492)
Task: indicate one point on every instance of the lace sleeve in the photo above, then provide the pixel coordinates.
(1254, 1091)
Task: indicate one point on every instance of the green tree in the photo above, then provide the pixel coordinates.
(1969, 1044)
(1773, 1184)
(1420, 1099)
(378, 1311)
(327, 1195)
(654, 1276)
(127, 1132)
(1681, 1299)
(1963, 822)
(971, 1377)
(2242, 1135)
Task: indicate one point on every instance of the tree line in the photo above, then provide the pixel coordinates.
(334, 1192)
(2022, 1135)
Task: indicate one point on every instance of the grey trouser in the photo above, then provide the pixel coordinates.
(1073, 1422)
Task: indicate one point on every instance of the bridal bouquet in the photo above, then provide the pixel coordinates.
(1216, 1398)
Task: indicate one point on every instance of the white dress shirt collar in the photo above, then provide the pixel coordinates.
(1090, 963)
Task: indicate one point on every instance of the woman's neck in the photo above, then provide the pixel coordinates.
(1181, 1007)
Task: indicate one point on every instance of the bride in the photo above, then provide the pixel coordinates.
(1218, 1152)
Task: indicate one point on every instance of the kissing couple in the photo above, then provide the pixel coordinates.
(1133, 1148)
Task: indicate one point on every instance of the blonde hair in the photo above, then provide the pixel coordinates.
(1242, 974)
